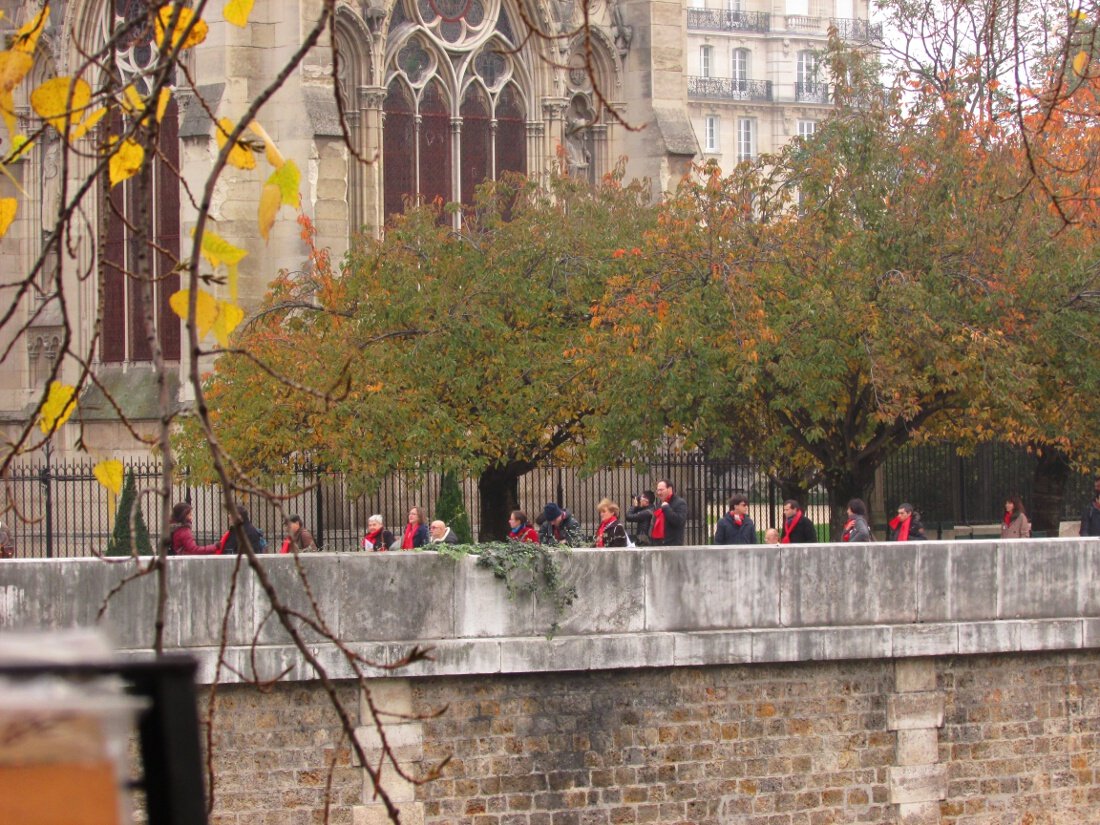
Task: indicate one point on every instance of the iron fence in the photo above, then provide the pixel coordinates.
(61, 510)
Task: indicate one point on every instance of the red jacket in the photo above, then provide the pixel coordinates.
(183, 543)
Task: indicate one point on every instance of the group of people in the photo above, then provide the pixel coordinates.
(657, 518)
(418, 532)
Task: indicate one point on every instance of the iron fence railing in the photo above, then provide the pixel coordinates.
(61, 510)
(854, 29)
(812, 92)
(729, 88)
(728, 20)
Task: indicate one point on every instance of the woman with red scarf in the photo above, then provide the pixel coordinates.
(906, 526)
(520, 530)
(611, 532)
(377, 538)
(1015, 524)
(416, 530)
(856, 528)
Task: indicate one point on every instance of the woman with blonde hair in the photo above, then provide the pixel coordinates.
(611, 532)
(416, 530)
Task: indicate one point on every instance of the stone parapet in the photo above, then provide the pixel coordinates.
(652, 607)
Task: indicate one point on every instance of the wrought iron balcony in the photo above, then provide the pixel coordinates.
(860, 31)
(724, 20)
(811, 92)
(728, 88)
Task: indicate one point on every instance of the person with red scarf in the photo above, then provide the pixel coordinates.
(520, 530)
(797, 527)
(905, 526)
(182, 539)
(611, 532)
(735, 527)
(857, 528)
(669, 517)
(1015, 524)
(297, 537)
(416, 530)
(377, 538)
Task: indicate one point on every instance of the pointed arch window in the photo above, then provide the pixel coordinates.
(142, 221)
(455, 104)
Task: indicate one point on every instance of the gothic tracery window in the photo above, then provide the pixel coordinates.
(455, 101)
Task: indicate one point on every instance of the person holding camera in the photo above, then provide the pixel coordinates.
(640, 515)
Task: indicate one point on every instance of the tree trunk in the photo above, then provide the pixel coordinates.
(498, 496)
(1051, 475)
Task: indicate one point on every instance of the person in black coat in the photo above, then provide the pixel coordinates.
(735, 527)
(640, 514)
(797, 527)
(255, 537)
(669, 517)
(905, 526)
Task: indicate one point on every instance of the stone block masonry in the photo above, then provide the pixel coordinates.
(910, 685)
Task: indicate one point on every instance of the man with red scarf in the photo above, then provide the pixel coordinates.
(905, 526)
(669, 517)
(735, 527)
(797, 527)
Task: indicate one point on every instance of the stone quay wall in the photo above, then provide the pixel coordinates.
(915, 684)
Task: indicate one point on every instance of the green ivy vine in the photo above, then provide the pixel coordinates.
(524, 567)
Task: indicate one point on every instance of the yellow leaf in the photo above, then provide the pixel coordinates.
(237, 11)
(109, 474)
(126, 160)
(132, 102)
(19, 145)
(183, 19)
(219, 251)
(163, 100)
(7, 110)
(229, 316)
(14, 66)
(206, 309)
(60, 403)
(1078, 14)
(271, 152)
(287, 177)
(26, 39)
(64, 101)
(7, 214)
(1081, 63)
(270, 201)
(240, 155)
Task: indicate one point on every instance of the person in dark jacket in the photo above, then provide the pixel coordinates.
(255, 538)
(611, 532)
(416, 530)
(181, 539)
(857, 528)
(442, 534)
(640, 515)
(669, 517)
(377, 539)
(559, 527)
(1090, 519)
(905, 526)
(735, 527)
(797, 527)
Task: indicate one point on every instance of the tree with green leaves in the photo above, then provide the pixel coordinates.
(432, 348)
(451, 508)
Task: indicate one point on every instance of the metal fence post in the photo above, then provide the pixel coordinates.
(319, 520)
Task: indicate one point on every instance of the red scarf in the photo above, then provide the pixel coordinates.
(848, 530)
(738, 519)
(372, 539)
(603, 526)
(789, 526)
(286, 546)
(222, 541)
(407, 540)
(903, 533)
(658, 529)
(1008, 517)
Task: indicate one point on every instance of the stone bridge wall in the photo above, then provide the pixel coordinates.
(920, 683)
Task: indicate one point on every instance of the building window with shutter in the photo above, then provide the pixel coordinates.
(706, 61)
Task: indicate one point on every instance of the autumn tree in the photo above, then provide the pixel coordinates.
(435, 350)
